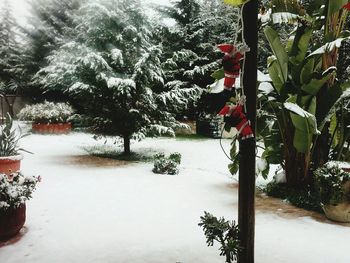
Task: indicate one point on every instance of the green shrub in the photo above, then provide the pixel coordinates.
(167, 165)
(329, 184)
(47, 112)
(303, 198)
(223, 231)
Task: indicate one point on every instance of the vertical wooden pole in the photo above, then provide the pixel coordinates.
(246, 209)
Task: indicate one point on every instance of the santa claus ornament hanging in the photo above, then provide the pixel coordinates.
(234, 115)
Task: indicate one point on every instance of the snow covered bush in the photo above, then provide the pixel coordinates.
(47, 112)
(167, 165)
(16, 189)
(9, 139)
(223, 231)
(330, 183)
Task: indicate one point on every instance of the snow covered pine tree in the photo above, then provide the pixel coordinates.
(111, 69)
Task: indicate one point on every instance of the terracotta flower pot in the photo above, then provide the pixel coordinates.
(11, 221)
(52, 128)
(10, 164)
(339, 212)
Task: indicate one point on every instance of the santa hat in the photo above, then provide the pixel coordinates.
(226, 48)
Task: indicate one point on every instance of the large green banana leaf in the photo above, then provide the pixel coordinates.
(279, 52)
(315, 84)
(305, 125)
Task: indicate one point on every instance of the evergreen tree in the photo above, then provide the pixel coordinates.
(192, 56)
(10, 53)
(44, 33)
(112, 69)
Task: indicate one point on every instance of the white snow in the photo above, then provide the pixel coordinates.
(266, 87)
(86, 213)
(328, 47)
(17, 157)
(283, 17)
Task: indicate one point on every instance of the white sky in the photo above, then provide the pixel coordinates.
(20, 8)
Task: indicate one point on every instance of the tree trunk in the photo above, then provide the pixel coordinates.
(126, 145)
(297, 167)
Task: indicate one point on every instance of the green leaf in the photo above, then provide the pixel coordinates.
(315, 84)
(278, 50)
(218, 74)
(234, 166)
(302, 141)
(300, 44)
(276, 75)
(330, 101)
(305, 126)
(235, 2)
(307, 70)
(335, 6)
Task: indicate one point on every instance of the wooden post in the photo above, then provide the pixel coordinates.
(246, 209)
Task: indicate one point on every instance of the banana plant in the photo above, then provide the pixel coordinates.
(297, 79)
(306, 93)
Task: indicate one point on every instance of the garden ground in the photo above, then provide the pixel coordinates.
(90, 209)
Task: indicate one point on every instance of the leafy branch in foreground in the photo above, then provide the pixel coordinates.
(223, 231)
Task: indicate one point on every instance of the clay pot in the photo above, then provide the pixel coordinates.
(10, 164)
(11, 221)
(339, 212)
(52, 128)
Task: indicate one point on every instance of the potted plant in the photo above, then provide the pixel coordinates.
(15, 190)
(333, 187)
(10, 157)
(48, 117)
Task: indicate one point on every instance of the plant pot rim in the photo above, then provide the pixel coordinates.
(48, 123)
(17, 157)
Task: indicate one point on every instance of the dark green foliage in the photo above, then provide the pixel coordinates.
(224, 232)
(46, 31)
(80, 121)
(304, 198)
(182, 11)
(111, 68)
(10, 50)
(167, 165)
(190, 53)
(329, 184)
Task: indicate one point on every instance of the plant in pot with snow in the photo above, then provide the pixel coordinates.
(223, 231)
(48, 117)
(15, 190)
(167, 165)
(333, 187)
(10, 157)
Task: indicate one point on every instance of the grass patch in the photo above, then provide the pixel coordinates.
(113, 152)
(191, 137)
(302, 198)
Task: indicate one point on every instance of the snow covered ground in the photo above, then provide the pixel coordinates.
(95, 210)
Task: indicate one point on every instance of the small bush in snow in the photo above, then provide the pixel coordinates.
(223, 231)
(330, 181)
(167, 165)
(47, 112)
(16, 189)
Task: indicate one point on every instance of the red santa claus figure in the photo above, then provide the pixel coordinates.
(235, 117)
(232, 63)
